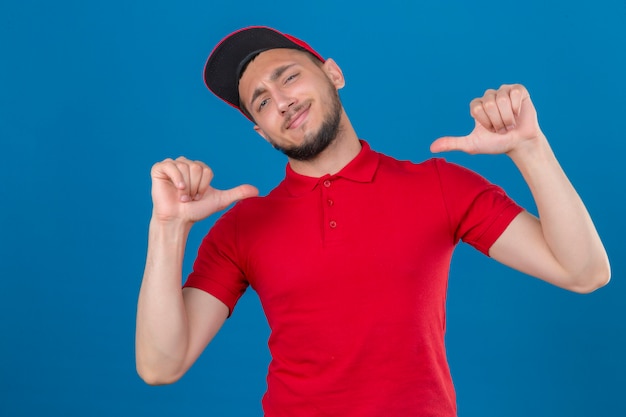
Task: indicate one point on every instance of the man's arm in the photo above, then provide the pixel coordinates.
(562, 246)
(175, 325)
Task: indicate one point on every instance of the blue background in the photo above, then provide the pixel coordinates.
(93, 93)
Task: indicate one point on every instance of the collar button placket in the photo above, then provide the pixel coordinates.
(329, 214)
(332, 221)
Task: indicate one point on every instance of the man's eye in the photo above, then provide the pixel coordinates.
(291, 77)
(262, 103)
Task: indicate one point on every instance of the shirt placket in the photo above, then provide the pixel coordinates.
(331, 224)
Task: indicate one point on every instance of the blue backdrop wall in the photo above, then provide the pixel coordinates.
(93, 93)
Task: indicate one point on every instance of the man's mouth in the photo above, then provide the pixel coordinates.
(297, 116)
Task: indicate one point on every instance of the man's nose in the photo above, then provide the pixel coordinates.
(284, 102)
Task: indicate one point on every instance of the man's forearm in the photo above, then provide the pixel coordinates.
(565, 222)
(162, 332)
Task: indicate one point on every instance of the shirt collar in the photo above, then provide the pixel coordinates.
(361, 169)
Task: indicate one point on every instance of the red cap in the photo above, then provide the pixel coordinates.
(223, 68)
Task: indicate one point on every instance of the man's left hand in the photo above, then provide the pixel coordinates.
(505, 119)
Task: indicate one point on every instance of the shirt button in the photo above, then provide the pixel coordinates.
(332, 224)
(327, 183)
(330, 202)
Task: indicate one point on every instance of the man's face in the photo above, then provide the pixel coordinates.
(293, 101)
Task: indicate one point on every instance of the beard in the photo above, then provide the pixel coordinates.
(316, 142)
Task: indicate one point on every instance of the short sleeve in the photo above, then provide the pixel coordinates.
(216, 269)
(478, 210)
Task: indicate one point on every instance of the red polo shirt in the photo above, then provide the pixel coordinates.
(351, 270)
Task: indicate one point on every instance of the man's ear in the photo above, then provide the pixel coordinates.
(260, 131)
(334, 73)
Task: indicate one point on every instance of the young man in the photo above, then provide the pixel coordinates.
(350, 253)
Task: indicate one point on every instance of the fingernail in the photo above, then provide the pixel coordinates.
(185, 198)
(502, 130)
(510, 127)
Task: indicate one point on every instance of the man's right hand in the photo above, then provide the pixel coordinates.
(181, 190)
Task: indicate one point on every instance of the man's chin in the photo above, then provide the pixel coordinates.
(307, 151)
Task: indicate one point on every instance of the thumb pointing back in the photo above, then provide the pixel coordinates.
(449, 143)
(237, 193)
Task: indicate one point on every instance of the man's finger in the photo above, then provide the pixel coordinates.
(167, 170)
(491, 108)
(195, 179)
(450, 143)
(518, 94)
(205, 180)
(183, 167)
(505, 108)
(477, 111)
(240, 192)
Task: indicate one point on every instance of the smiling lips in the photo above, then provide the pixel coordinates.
(297, 116)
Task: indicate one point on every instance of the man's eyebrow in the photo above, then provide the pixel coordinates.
(279, 71)
(256, 94)
(273, 77)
